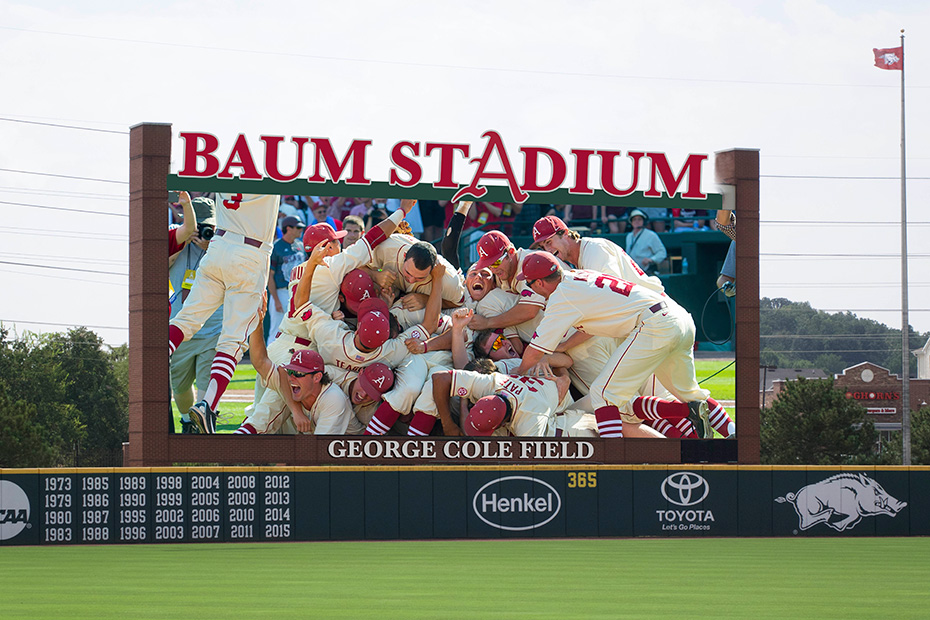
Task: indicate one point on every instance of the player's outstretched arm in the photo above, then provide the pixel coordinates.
(520, 313)
(442, 386)
(531, 357)
(258, 354)
(189, 227)
(460, 319)
(434, 302)
(302, 292)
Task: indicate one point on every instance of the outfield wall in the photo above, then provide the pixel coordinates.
(202, 504)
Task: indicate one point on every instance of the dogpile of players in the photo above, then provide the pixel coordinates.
(569, 338)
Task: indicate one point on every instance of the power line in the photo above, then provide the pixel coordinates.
(66, 278)
(63, 176)
(23, 204)
(380, 61)
(110, 273)
(75, 259)
(843, 178)
(65, 234)
(16, 120)
(63, 324)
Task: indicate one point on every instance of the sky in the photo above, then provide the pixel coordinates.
(794, 79)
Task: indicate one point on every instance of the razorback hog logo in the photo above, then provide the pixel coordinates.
(306, 315)
(841, 501)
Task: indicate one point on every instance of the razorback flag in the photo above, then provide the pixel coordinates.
(891, 58)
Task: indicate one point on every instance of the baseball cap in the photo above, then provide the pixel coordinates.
(290, 220)
(491, 247)
(546, 227)
(356, 287)
(205, 209)
(320, 232)
(538, 265)
(636, 212)
(374, 329)
(485, 417)
(305, 360)
(376, 379)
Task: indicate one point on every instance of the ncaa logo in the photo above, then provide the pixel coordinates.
(14, 509)
(685, 488)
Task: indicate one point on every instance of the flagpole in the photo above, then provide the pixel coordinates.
(905, 343)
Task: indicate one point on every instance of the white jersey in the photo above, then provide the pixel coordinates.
(335, 342)
(594, 303)
(344, 379)
(524, 293)
(331, 413)
(391, 253)
(251, 215)
(604, 256)
(534, 401)
(497, 302)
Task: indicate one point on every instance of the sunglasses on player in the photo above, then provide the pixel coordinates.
(298, 375)
(498, 342)
(497, 263)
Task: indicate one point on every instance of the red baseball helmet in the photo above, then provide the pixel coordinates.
(356, 287)
(546, 227)
(320, 232)
(538, 265)
(305, 360)
(374, 328)
(491, 247)
(376, 379)
(485, 416)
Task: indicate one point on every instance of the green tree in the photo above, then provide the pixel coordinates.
(22, 442)
(813, 423)
(920, 436)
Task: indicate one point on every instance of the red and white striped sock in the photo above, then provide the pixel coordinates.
(720, 419)
(175, 338)
(245, 429)
(609, 423)
(221, 373)
(664, 427)
(686, 428)
(421, 425)
(654, 408)
(382, 421)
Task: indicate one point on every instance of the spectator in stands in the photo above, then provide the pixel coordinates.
(193, 358)
(582, 216)
(686, 220)
(354, 227)
(644, 245)
(432, 214)
(613, 220)
(289, 207)
(655, 218)
(285, 255)
(320, 210)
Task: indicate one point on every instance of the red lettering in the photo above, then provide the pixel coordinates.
(241, 158)
(199, 146)
(272, 144)
(581, 172)
(530, 169)
(607, 172)
(446, 153)
(407, 164)
(692, 168)
(617, 285)
(355, 153)
(495, 144)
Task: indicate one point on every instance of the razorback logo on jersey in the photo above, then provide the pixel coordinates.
(415, 334)
(306, 315)
(462, 391)
(526, 293)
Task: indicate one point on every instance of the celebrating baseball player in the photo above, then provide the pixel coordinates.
(233, 274)
(659, 339)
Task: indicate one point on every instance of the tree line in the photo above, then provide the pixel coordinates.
(64, 400)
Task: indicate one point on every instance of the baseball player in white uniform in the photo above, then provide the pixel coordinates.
(234, 274)
(323, 408)
(603, 256)
(507, 404)
(659, 339)
(365, 390)
(406, 263)
(326, 281)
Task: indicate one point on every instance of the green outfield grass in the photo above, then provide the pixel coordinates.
(723, 385)
(807, 578)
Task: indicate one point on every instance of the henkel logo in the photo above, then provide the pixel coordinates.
(14, 509)
(841, 501)
(517, 503)
(685, 489)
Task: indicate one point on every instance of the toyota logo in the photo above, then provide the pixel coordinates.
(685, 488)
